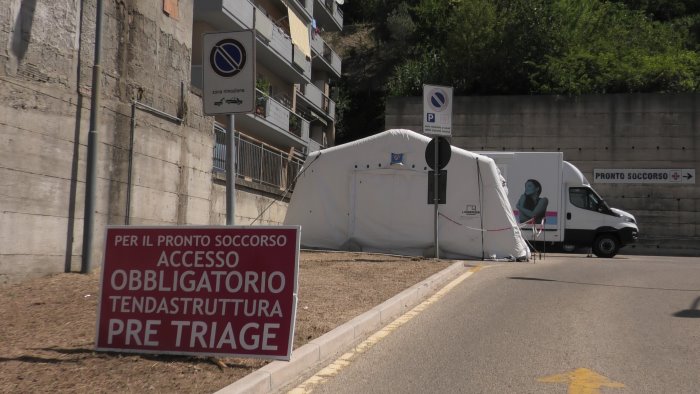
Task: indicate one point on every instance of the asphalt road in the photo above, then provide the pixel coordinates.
(565, 324)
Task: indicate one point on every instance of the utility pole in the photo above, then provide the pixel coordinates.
(91, 171)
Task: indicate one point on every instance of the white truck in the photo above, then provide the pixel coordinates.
(555, 204)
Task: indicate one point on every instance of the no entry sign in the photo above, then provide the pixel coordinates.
(216, 291)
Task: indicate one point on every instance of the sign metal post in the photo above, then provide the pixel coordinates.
(437, 121)
(228, 87)
(436, 201)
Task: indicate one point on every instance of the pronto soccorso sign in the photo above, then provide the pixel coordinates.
(218, 291)
(647, 175)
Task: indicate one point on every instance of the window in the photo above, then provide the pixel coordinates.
(586, 198)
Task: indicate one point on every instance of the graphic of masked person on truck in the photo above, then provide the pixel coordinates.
(531, 205)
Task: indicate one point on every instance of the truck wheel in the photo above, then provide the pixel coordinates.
(606, 245)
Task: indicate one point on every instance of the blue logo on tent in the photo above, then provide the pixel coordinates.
(227, 57)
(397, 158)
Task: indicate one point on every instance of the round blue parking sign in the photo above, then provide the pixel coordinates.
(227, 57)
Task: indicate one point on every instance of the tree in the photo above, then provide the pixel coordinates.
(664, 10)
(518, 47)
(606, 48)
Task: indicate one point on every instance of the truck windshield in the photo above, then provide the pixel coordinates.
(586, 198)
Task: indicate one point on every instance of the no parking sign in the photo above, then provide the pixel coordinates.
(437, 110)
(228, 71)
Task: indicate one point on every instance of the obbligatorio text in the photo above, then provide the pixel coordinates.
(249, 282)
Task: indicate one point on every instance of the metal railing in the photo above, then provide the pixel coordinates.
(335, 11)
(280, 115)
(257, 161)
(316, 96)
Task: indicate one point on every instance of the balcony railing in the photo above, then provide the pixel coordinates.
(307, 5)
(322, 102)
(280, 43)
(264, 26)
(314, 146)
(323, 50)
(256, 161)
(335, 11)
(301, 61)
(332, 58)
(280, 116)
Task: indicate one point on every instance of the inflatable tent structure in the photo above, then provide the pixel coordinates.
(371, 195)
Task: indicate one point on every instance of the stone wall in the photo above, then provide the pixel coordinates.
(46, 64)
(657, 131)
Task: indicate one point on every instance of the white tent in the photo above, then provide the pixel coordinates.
(372, 195)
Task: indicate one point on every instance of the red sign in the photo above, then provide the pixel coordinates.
(215, 291)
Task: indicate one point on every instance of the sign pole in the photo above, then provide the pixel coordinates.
(437, 121)
(228, 87)
(230, 172)
(436, 176)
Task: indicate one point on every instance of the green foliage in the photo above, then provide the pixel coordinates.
(409, 77)
(400, 25)
(606, 48)
(533, 46)
(691, 26)
(361, 113)
(664, 10)
(565, 47)
(263, 85)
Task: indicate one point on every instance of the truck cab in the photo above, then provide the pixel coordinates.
(590, 222)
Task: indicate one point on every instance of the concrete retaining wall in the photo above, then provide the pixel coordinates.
(657, 131)
(46, 61)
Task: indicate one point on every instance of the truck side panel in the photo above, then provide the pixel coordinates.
(543, 172)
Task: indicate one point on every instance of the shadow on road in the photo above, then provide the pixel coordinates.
(692, 312)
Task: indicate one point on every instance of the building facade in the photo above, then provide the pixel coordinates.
(294, 67)
(158, 157)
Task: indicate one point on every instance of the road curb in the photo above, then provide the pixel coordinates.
(325, 348)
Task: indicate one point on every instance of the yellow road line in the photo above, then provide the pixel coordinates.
(346, 359)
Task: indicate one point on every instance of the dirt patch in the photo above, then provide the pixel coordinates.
(47, 327)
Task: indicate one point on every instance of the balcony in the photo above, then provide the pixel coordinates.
(319, 102)
(324, 58)
(275, 123)
(257, 161)
(274, 47)
(300, 61)
(226, 15)
(305, 7)
(328, 15)
(314, 146)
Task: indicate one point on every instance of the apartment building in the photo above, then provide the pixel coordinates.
(294, 112)
(158, 158)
